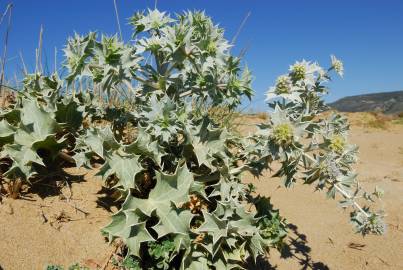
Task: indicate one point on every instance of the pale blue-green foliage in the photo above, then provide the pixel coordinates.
(325, 154)
(178, 173)
(182, 63)
(183, 56)
(185, 154)
(37, 127)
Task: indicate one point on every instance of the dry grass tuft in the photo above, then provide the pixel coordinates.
(224, 117)
(372, 120)
(399, 119)
(262, 115)
(378, 121)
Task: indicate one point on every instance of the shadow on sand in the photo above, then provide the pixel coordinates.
(51, 184)
(295, 249)
(107, 200)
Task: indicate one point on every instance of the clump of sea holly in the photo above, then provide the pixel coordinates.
(178, 174)
(323, 155)
(38, 130)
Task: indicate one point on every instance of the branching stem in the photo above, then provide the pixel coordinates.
(343, 192)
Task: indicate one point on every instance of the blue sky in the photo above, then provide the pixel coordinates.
(366, 35)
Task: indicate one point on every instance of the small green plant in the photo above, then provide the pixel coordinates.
(54, 267)
(162, 253)
(77, 267)
(127, 263)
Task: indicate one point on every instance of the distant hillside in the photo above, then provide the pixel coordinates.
(388, 102)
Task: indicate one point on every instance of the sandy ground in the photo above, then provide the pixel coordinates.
(35, 231)
(321, 236)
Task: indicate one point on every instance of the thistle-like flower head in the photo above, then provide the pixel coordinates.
(337, 65)
(283, 134)
(212, 47)
(283, 85)
(283, 88)
(305, 71)
(285, 130)
(298, 71)
(153, 20)
(337, 143)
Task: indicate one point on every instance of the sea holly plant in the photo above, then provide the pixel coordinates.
(313, 147)
(141, 108)
(38, 128)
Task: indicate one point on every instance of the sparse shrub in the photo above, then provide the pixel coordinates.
(379, 121)
(398, 119)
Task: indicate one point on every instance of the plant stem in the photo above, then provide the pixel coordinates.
(343, 192)
(346, 195)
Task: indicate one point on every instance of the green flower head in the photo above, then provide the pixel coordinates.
(201, 81)
(283, 134)
(283, 85)
(298, 71)
(305, 71)
(337, 65)
(152, 44)
(283, 88)
(211, 47)
(337, 143)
